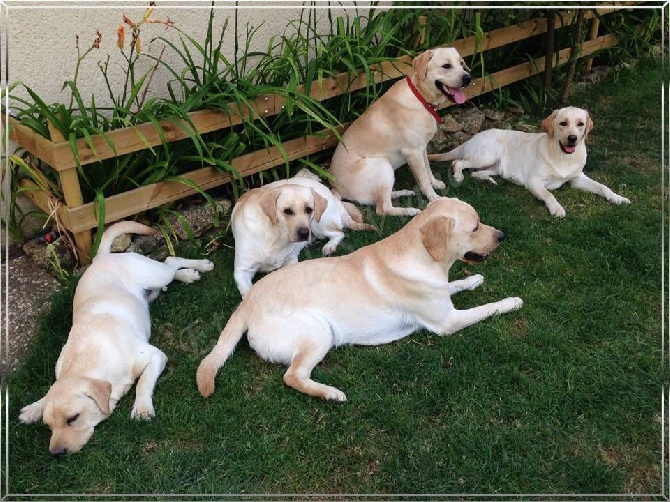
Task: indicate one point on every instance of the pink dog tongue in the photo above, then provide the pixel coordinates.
(568, 149)
(458, 95)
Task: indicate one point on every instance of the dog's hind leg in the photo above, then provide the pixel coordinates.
(186, 270)
(153, 275)
(176, 263)
(482, 168)
(485, 174)
(144, 389)
(384, 195)
(299, 373)
(396, 194)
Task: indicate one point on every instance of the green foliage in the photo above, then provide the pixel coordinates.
(301, 56)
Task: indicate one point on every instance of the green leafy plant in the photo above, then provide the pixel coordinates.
(291, 64)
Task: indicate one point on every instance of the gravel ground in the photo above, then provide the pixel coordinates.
(29, 289)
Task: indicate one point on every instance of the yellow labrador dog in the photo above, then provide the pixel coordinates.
(375, 295)
(539, 161)
(395, 131)
(108, 346)
(272, 224)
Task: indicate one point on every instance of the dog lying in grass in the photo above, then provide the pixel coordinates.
(539, 161)
(272, 224)
(108, 347)
(378, 294)
(395, 131)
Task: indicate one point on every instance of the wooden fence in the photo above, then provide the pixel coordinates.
(79, 217)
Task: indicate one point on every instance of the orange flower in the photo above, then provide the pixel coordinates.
(120, 36)
(138, 44)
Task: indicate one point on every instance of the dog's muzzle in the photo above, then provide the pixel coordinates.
(303, 234)
(59, 451)
(570, 146)
(454, 94)
(473, 257)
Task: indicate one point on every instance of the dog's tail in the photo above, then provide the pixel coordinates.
(230, 336)
(443, 157)
(353, 218)
(122, 227)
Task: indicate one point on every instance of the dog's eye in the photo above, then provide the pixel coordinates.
(447, 66)
(581, 124)
(288, 211)
(476, 228)
(308, 210)
(72, 419)
(563, 124)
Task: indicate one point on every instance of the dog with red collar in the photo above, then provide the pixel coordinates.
(395, 131)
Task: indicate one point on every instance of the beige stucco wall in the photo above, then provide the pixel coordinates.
(38, 48)
(40, 38)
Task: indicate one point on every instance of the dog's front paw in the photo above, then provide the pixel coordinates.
(509, 304)
(557, 210)
(333, 394)
(31, 413)
(439, 185)
(618, 199)
(474, 281)
(328, 249)
(205, 266)
(142, 411)
(187, 275)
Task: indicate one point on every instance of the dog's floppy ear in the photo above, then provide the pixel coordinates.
(268, 204)
(435, 236)
(420, 64)
(320, 205)
(548, 124)
(99, 391)
(589, 125)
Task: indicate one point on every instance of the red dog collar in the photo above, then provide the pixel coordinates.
(426, 104)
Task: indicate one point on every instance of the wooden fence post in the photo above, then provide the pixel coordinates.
(69, 180)
(593, 33)
(549, 51)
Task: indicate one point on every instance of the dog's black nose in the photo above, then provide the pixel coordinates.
(572, 139)
(466, 79)
(303, 233)
(58, 452)
(501, 235)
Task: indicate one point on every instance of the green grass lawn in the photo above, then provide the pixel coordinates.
(560, 397)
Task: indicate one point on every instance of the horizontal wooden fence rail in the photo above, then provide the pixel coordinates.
(78, 216)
